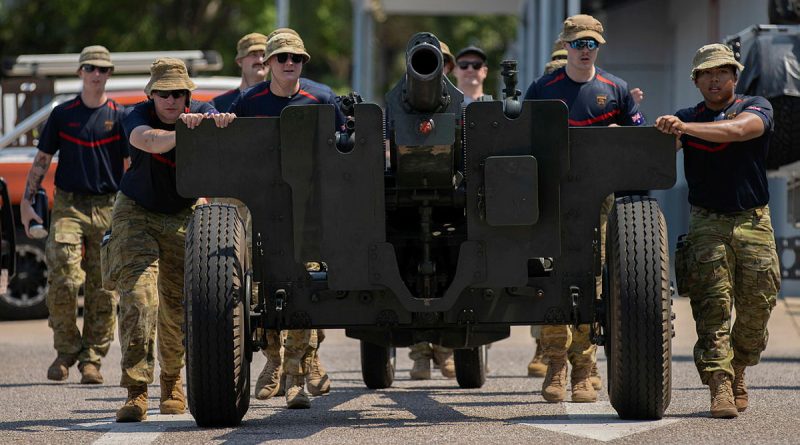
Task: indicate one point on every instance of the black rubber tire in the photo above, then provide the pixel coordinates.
(27, 289)
(377, 365)
(784, 145)
(471, 366)
(639, 325)
(217, 365)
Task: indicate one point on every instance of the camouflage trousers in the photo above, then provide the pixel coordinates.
(146, 256)
(72, 255)
(425, 350)
(299, 348)
(729, 262)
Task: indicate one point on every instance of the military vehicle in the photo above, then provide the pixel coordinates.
(433, 222)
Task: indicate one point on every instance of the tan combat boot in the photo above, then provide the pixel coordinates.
(537, 367)
(135, 408)
(90, 373)
(317, 381)
(173, 400)
(296, 397)
(582, 389)
(739, 389)
(269, 381)
(722, 404)
(421, 369)
(554, 387)
(597, 382)
(59, 369)
(447, 364)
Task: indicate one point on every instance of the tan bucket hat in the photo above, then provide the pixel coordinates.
(96, 55)
(286, 42)
(168, 74)
(582, 26)
(449, 60)
(254, 41)
(558, 51)
(282, 31)
(712, 56)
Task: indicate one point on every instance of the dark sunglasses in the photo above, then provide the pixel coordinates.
(590, 44)
(176, 94)
(475, 65)
(89, 68)
(283, 57)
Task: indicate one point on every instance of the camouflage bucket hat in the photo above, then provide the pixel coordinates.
(582, 26)
(168, 74)
(712, 56)
(286, 42)
(95, 55)
(449, 60)
(251, 42)
(282, 31)
(558, 51)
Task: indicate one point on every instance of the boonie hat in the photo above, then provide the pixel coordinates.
(449, 60)
(286, 42)
(582, 26)
(96, 55)
(282, 31)
(168, 74)
(712, 56)
(558, 51)
(251, 42)
(472, 50)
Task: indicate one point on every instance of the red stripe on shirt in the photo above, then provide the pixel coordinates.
(111, 105)
(93, 144)
(700, 146)
(73, 104)
(557, 79)
(162, 159)
(308, 95)
(604, 80)
(263, 93)
(593, 120)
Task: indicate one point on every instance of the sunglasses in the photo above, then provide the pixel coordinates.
(176, 94)
(90, 68)
(474, 65)
(589, 44)
(283, 57)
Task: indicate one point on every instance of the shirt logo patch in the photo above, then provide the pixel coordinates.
(109, 125)
(730, 115)
(602, 99)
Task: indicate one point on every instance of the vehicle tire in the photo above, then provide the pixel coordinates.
(471, 365)
(377, 365)
(784, 145)
(27, 289)
(217, 364)
(638, 326)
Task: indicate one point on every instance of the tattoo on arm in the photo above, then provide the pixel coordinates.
(41, 163)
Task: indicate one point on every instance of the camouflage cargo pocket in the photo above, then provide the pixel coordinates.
(760, 274)
(683, 259)
(708, 270)
(108, 265)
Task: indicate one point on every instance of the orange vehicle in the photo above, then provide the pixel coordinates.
(31, 90)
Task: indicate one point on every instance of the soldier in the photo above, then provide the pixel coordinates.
(449, 60)
(87, 133)
(730, 258)
(286, 56)
(594, 98)
(470, 72)
(250, 58)
(146, 249)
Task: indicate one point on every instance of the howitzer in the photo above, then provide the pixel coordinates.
(478, 218)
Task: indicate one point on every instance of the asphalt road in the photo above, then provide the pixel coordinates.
(507, 410)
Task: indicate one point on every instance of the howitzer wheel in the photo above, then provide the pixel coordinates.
(217, 362)
(378, 364)
(638, 323)
(471, 366)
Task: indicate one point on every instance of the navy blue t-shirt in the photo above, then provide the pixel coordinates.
(91, 146)
(224, 101)
(602, 101)
(258, 101)
(150, 180)
(732, 176)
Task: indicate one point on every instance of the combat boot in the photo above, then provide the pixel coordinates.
(597, 382)
(554, 387)
(446, 363)
(135, 408)
(282, 384)
(722, 404)
(296, 397)
(537, 367)
(90, 373)
(421, 369)
(59, 369)
(317, 381)
(582, 389)
(739, 389)
(269, 381)
(173, 400)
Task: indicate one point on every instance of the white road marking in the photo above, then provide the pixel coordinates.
(140, 433)
(597, 421)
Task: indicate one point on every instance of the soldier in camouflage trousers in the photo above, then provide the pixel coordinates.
(728, 260)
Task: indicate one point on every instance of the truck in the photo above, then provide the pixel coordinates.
(432, 222)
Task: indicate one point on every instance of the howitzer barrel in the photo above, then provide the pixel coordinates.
(423, 82)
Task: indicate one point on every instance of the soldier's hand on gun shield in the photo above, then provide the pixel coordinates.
(670, 124)
(192, 120)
